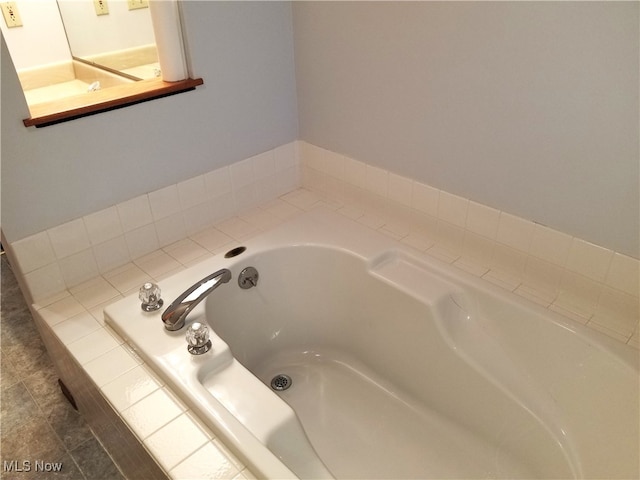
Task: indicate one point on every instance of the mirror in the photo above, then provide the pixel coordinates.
(116, 35)
(56, 45)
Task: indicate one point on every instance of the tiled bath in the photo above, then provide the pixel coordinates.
(72, 271)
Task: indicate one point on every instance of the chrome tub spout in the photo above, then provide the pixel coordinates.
(176, 313)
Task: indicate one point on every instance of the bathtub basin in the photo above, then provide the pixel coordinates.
(400, 366)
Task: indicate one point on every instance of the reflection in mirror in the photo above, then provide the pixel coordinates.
(120, 40)
(113, 34)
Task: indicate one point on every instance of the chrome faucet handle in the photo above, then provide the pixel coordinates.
(176, 313)
(149, 295)
(198, 338)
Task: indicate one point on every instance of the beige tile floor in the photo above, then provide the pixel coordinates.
(37, 423)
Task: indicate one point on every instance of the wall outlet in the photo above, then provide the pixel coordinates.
(11, 14)
(101, 7)
(136, 4)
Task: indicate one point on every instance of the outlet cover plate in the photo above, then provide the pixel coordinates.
(11, 14)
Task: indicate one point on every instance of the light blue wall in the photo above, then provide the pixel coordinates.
(528, 107)
(244, 52)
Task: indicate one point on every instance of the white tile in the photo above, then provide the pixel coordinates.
(314, 180)
(130, 387)
(443, 254)
(127, 277)
(578, 294)
(425, 198)
(135, 213)
(142, 241)
(208, 463)
(334, 165)
(211, 239)
(502, 279)
(509, 261)
(617, 311)
(46, 301)
(197, 218)
(280, 209)
(69, 238)
(111, 365)
(242, 173)
(313, 157)
(302, 198)
(263, 165)
(92, 345)
(151, 413)
(245, 197)
(222, 207)
(78, 268)
(164, 202)
(355, 172)
(76, 327)
(185, 251)
(542, 276)
(236, 228)
(483, 220)
(417, 241)
(371, 220)
(45, 281)
(452, 209)
(570, 313)
(624, 274)
(400, 189)
(477, 250)
(163, 445)
(61, 310)
(261, 219)
(550, 245)
(157, 263)
(266, 189)
(535, 295)
(470, 266)
(377, 180)
(111, 254)
(515, 232)
(288, 180)
(285, 156)
(170, 229)
(588, 259)
(218, 182)
(192, 192)
(33, 252)
(450, 237)
(103, 225)
(94, 292)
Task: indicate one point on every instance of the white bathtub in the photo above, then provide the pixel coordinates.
(401, 366)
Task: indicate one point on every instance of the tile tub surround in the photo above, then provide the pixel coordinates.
(592, 285)
(67, 255)
(585, 282)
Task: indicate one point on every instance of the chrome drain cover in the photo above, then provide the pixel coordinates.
(281, 382)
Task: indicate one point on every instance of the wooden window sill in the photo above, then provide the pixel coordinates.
(70, 108)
